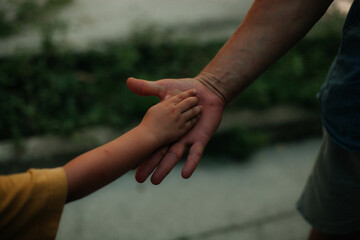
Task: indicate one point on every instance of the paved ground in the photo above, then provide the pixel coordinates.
(249, 201)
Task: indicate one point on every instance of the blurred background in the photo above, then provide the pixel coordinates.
(63, 71)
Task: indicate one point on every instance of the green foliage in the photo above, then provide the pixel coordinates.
(236, 142)
(15, 13)
(59, 91)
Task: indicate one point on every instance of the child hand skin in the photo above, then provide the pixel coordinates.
(172, 118)
(163, 123)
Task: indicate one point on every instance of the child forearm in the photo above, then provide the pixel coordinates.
(163, 123)
(100, 166)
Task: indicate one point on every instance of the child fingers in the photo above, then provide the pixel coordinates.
(187, 104)
(191, 123)
(183, 95)
(192, 113)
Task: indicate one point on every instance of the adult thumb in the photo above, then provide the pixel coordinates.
(144, 87)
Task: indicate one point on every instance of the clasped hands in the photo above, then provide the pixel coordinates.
(165, 158)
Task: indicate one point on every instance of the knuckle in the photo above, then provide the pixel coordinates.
(194, 120)
(194, 110)
(188, 125)
(177, 118)
(198, 109)
(151, 109)
(196, 154)
(193, 100)
(175, 155)
(173, 110)
(174, 115)
(182, 96)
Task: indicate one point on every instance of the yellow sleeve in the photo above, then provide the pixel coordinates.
(31, 203)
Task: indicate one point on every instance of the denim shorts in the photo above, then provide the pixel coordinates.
(340, 94)
(330, 201)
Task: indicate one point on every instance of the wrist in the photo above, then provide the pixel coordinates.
(214, 84)
(149, 135)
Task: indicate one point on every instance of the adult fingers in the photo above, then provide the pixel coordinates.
(145, 88)
(148, 166)
(193, 159)
(168, 162)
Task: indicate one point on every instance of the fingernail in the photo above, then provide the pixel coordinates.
(167, 97)
(194, 91)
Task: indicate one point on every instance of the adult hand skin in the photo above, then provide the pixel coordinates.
(269, 30)
(196, 139)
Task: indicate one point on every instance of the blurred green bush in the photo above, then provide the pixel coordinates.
(59, 91)
(15, 13)
(237, 142)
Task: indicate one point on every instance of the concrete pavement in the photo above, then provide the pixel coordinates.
(222, 200)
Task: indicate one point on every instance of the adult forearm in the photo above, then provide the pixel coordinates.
(269, 30)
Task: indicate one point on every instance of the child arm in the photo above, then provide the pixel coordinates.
(163, 123)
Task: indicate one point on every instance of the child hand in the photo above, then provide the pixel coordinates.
(173, 117)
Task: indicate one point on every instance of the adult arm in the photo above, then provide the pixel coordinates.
(269, 30)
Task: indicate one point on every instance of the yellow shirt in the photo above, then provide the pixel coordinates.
(31, 203)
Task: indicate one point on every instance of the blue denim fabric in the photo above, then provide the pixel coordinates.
(330, 201)
(340, 94)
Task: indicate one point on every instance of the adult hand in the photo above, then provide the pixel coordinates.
(196, 139)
